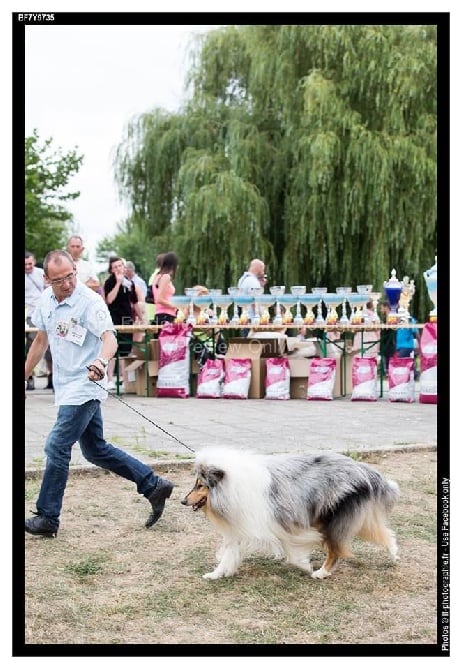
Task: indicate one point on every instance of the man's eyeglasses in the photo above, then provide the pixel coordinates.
(60, 282)
(262, 277)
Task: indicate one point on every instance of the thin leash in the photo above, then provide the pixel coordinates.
(114, 395)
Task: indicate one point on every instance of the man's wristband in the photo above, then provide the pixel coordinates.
(104, 361)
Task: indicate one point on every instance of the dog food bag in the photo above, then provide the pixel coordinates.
(277, 379)
(322, 375)
(428, 340)
(210, 379)
(364, 370)
(401, 380)
(237, 378)
(428, 380)
(428, 361)
(174, 361)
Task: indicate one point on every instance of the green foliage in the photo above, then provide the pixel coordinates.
(312, 147)
(47, 173)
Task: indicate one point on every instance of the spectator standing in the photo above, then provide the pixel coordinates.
(254, 277)
(164, 289)
(34, 286)
(120, 295)
(150, 300)
(85, 272)
(137, 280)
(77, 325)
(387, 344)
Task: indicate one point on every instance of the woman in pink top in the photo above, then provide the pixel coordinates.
(164, 289)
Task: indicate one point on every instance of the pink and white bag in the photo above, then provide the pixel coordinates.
(277, 379)
(401, 380)
(428, 364)
(364, 372)
(174, 361)
(210, 379)
(322, 375)
(237, 378)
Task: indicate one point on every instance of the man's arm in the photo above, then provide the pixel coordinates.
(36, 352)
(97, 369)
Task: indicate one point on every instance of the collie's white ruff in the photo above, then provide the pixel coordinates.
(284, 505)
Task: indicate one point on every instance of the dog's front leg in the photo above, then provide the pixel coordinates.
(231, 559)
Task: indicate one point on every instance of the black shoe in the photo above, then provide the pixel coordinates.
(39, 525)
(50, 382)
(30, 384)
(158, 500)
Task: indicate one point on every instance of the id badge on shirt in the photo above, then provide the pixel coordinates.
(71, 332)
(76, 334)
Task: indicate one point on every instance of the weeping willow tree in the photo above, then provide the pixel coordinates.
(312, 147)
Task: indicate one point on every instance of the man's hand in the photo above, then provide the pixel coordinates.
(96, 371)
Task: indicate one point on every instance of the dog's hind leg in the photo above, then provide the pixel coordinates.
(375, 530)
(231, 559)
(334, 553)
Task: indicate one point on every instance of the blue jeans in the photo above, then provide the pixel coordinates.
(84, 424)
(404, 352)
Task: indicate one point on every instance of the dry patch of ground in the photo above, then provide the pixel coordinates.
(107, 580)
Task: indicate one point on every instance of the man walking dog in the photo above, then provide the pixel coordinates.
(75, 322)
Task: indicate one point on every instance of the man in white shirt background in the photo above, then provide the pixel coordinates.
(85, 271)
(130, 273)
(34, 285)
(254, 277)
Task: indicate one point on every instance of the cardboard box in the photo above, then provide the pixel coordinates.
(129, 377)
(139, 370)
(243, 347)
(299, 376)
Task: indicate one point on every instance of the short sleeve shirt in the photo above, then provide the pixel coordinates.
(74, 328)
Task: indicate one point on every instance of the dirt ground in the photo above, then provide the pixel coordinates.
(107, 580)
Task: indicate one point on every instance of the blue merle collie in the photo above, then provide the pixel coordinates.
(285, 505)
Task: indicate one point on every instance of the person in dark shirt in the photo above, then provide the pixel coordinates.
(120, 296)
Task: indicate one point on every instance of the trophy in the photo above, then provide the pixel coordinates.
(375, 296)
(356, 302)
(288, 300)
(319, 292)
(393, 290)
(332, 300)
(256, 292)
(233, 292)
(180, 301)
(408, 291)
(264, 301)
(309, 299)
(191, 293)
(277, 291)
(202, 302)
(214, 293)
(298, 291)
(224, 302)
(430, 277)
(344, 292)
(365, 290)
(244, 301)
